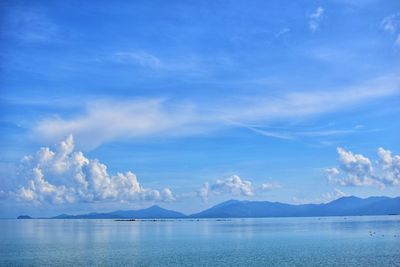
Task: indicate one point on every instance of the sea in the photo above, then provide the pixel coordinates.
(317, 241)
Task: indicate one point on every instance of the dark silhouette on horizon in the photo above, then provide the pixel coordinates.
(345, 206)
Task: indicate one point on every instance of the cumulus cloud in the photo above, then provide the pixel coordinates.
(390, 167)
(391, 25)
(104, 121)
(204, 191)
(358, 170)
(315, 19)
(233, 185)
(67, 176)
(357, 167)
(332, 173)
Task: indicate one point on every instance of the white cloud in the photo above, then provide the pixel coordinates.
(332, 174)
(326, 197)
(292, 135)
(105, 121)
(323, 198)
(391, 25)
(167, 195)
(274, 134)
(390, 167)
(40, 190)
(233, 185)
(204, 191)
(269, 186)
(358, 170)
(66, 176)
(315, 19)
(110, 120)
(282, 32)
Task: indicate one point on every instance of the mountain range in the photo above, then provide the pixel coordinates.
(345, 206)
(149, 213)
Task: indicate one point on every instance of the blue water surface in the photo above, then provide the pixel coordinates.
(326, 241)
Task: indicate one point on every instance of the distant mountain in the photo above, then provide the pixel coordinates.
(149, 213)
(345, 206)
(153, 212)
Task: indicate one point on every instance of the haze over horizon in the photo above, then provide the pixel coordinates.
(185, 105)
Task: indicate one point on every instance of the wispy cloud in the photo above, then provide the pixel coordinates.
(104, 121)
(30, 26)
(315, 19)
(274, 134)
(152, 61)
(391, 25)
(282, 32)
(108, 120)
(140, 58)
(296, 133)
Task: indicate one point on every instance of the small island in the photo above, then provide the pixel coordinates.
(24, 217)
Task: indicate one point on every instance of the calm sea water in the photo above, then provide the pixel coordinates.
(333, 241)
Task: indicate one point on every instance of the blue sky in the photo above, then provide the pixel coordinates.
(189, 103)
